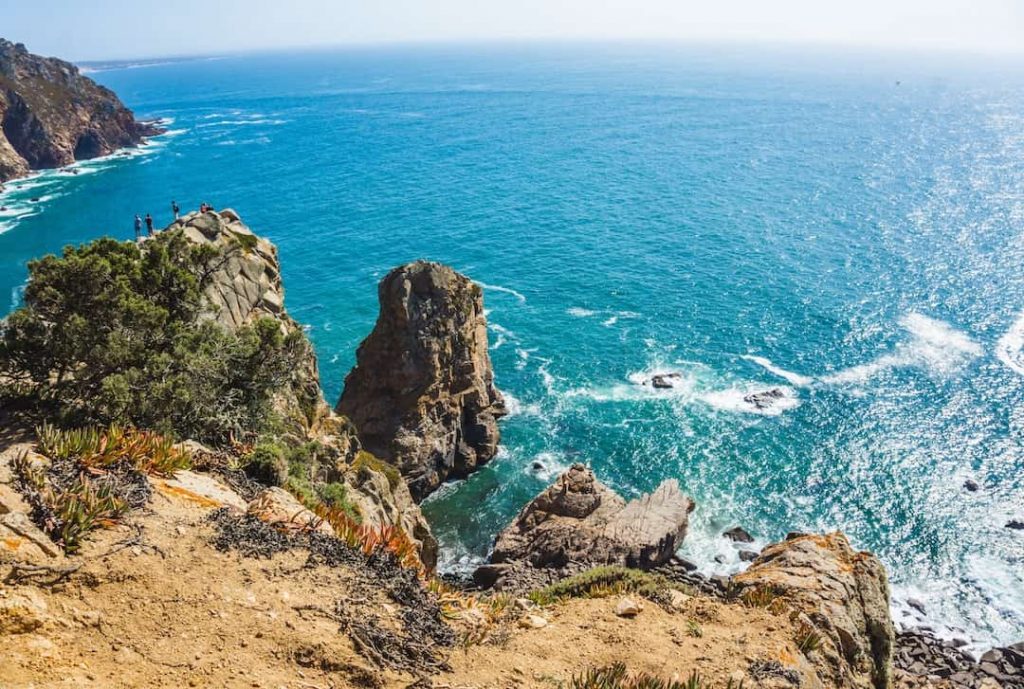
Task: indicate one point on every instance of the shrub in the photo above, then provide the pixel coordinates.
(366, 460)
(335, 495)
(114, 447)
(266, 464)
(114, 332)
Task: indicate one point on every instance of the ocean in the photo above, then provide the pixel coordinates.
(843, 230)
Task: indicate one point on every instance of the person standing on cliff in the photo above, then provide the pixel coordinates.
(175, 209)
(138, 227)
(149, 224)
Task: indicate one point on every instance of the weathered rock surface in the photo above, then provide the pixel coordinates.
(843, 593)
(422, 392)
(246, 286)
(51, 115)
(21, 611)
(580, 520)
(919, 656)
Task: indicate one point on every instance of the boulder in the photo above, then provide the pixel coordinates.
(627, 607)
(278, 506)
(843, 593)
(664, 381)
(422, 393)
(580, 520)
(382, 501)
(765, 399)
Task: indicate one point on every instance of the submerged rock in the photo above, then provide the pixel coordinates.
(422, 392)
(580, 520)
(843, 593)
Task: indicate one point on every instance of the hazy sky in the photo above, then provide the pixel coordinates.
(97, 29)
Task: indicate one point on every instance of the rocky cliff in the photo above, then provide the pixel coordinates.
(51, 115)
(843, 595)
(422, 392)
(245, 284)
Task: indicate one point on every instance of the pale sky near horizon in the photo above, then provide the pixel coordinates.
(111, 29)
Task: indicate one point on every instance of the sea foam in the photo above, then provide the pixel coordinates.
(1010, 347)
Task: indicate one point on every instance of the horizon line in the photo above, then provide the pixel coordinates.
(855, 48)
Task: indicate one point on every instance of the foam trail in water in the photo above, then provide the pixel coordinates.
(506, 290)
(934, 345)
(740, 400)
(580, 312)
(1010, 348)
(794, 378)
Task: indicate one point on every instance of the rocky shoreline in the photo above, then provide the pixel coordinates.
(51, 115)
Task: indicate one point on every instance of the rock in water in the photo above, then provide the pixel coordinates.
(580, 520)
(422, 392)
(51, 115)
(843, 593)
(764, 400)
(739, 535)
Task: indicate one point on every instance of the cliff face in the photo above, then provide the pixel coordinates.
(842, 594)
(422, 393)
(51, 115)
(246, 285)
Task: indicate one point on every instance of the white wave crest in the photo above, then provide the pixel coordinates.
(794, 378)
(507, 290)
(742, 400)
(934, 345)
(1010, 347)
(580, 312)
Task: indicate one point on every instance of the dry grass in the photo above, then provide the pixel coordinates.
(601, 582)
(617, 677)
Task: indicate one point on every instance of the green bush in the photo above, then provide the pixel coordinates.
(116, 332)
(366, 460)
(335, 495)
(266, 464)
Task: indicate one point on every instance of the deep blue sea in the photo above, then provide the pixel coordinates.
(847, 229)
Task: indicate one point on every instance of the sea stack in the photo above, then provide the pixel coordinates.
(51, 115)
(422, 392)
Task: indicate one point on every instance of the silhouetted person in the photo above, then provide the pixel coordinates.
(149, 224)
(138, 226)
(175, 209)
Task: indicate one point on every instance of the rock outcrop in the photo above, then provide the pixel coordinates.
(51, 115)
(422, 392)
(580, 521)
(843, 596)
(246, 285)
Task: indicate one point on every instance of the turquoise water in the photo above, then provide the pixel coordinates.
(847, 230)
